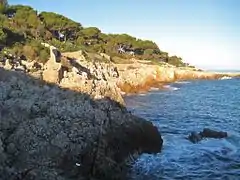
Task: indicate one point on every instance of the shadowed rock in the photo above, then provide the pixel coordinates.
(209, 133)
(47, 132)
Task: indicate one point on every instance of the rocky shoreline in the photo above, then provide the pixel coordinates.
(141, 77)
(47, 132)
(86, 73)
(51, 130)
(66, 119)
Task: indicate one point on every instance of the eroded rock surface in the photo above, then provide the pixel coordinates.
(51, 133)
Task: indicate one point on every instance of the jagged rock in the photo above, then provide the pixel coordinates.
(36, 74)
(79, 56)
(75, 70)
(7, 65)
(72, 79)
(20, 68)
(106, 56)
(137, 78)
(51, 133)
(166, 75)
(53, 72)
(32, 65)
(53, 69)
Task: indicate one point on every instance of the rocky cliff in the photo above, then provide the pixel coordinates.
(81, 71)
(141, 77)
(47, 132)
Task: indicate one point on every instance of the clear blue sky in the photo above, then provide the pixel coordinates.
(205, 33)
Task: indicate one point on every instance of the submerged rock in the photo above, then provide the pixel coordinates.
(195, 137)
(209, 133)
(51, 133)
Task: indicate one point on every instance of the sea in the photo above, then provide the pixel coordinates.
(179, 109)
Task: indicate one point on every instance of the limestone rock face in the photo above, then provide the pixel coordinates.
(79, 55)
(53, 70)
(97, 80)
(137, 78)
(189, 74)
(166, 75)
(107, 89)
(106, 56)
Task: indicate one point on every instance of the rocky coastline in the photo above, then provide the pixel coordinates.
(66, 119)
(57, 122)
(135, 78)
(81, 71)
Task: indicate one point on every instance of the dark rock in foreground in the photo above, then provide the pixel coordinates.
(195, 137)
(51, 133)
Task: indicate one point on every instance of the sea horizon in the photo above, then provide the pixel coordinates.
(224, 70)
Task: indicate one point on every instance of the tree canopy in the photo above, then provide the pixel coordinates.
(23, 29)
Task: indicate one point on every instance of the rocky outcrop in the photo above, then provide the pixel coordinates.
(190, 75)
(106, 56)
(95, 79)
(78, 55)
(17, 64)
(138, 77)
(71, 70)
(53, 69)
(47, 132)
(195, 137)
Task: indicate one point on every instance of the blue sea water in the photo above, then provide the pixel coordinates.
(191, 106)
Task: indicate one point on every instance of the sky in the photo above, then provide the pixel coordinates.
(205, 33)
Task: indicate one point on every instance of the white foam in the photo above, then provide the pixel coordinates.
(225, 77)
(154, 89)
(169, 87)
(182, 82)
